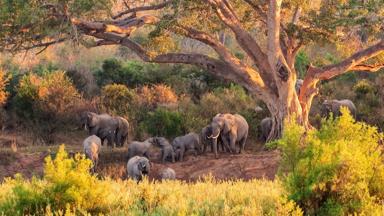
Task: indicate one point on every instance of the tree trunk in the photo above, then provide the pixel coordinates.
(281, 109)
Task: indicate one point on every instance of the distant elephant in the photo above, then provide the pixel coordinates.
(92, 145)
(233, 129)
(167, 174)
(137, 148)
(333, 106)
(122, 131)
(206, 141)
(265, 126)
(298, 84)
(104, 126)
(188, 142)
(137, 167)
(166, 148)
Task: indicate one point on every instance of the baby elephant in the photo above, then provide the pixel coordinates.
(166, 148)
(137, 167)
(168, 174)
(187, 142)
(140, 148)
(92, 145)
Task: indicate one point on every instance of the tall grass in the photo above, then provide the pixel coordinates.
(68, 188)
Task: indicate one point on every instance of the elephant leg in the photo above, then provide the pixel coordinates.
(226, 144)
(214, 145)
(173, 157)
(242, 144)
(146, 154)
(93, 130)
(110, 141)
(163, 156)
(182, 151)
(232, 144)
(123, 140)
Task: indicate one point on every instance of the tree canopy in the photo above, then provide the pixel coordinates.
(266, 35)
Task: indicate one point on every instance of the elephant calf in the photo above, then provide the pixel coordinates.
(166, 148)
(168, 174)
(137, 148)
(92, 145)
(265, 126)
(188, 142)
(137, 167)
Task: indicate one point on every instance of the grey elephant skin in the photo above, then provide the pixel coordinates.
(233, 129)
(167, 174)
(91, 146)
(206, 132)
(122, 131)
(104, 126)
(137, 167)
(188, 142)
(114, 129)
(334, 106)
(166, 149)
(137, 148)
(265, 126)
(298, 84)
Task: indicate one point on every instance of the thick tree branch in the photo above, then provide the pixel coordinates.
(143, 8)
(367, 68)
(245, 40)
(274, 49)
(352, 63)
(126, 27)
(220, 68)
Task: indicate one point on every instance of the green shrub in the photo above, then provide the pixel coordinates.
(301, 63)
(337, 170)
(163, 122)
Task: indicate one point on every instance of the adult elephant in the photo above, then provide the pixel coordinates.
(233, 129)
(104, 126)
(122, 131)
(333, 106)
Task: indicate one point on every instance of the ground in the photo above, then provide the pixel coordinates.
(18, 156)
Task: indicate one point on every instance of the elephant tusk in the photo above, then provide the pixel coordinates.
(215, 137)
(209, 137)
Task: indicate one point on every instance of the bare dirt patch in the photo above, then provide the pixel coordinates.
(29, 161)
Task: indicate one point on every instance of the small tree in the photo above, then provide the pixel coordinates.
(45, 102)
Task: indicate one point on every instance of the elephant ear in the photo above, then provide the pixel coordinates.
(229, 123)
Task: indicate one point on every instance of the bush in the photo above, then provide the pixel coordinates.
(68, 188)
(3, 84)
(163, 122)
(118, 99)
(337, 170)
(45, 103)
(363, 87)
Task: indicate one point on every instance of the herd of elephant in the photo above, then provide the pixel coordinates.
(228, 131)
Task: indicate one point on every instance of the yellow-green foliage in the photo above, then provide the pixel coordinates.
(68, 187)
(3, 83)
(118, 99)
(336, 170)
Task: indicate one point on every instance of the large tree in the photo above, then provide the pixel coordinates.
(269, 33)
